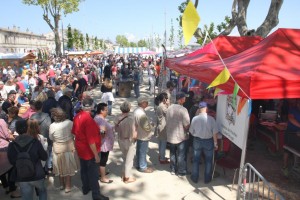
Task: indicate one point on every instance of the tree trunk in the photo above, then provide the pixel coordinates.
(239, 15)
(56, 34)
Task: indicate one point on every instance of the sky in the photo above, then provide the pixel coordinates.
(138, 19)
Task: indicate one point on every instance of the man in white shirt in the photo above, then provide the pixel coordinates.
(205, 130)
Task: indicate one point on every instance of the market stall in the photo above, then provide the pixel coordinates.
(17, 59)
(225, 45)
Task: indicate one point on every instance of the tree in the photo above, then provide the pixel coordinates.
(81, 45)
(180, 37)
(150, 42)
(76, 38)
(238, 18)
(55, 8)
(101, 43)
(171, 37)
(142, 43)
(87, 41)
(70, 42)
(157, 40)
(132, 44)
(96, 43)
(122, 40)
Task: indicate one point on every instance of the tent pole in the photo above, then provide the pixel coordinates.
(243, 156)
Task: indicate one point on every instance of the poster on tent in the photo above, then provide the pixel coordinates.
(232, 125)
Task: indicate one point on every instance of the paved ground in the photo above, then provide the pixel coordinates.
(158, 185)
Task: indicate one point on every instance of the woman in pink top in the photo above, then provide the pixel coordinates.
(5, 137)
(107, 139)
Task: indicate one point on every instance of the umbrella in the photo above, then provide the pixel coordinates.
(96, 52)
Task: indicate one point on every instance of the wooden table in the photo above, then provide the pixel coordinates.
(4, 163)
(273, 134)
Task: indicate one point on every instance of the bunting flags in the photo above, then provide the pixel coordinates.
(217, 90)
(235, 91)
(221, 78)
(242, 102)
(190, 21)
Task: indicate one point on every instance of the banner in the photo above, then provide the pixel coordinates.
(230, 123)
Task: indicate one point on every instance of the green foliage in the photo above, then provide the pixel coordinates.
(76, 38)
(122, 40)
(70, 42)
(96, 43)
(221, 27)
(54, 9)
(87, 41)
(142, 43)
(171, 37)
(101, 43)
(180, 37)
(132, 44)
(157, 40)
(81, 42)
(67, 6)
(209, 29)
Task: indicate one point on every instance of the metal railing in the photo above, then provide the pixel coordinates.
(255, 186)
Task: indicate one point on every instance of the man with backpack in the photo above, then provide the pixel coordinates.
(26, 154)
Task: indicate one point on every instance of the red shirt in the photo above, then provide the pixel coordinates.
(86, 132)
(51, 73)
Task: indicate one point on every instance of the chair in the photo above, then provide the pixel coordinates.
(229, 158)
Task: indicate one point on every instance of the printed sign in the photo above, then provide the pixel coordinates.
(232, 125)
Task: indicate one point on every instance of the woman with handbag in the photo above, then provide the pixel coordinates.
(65, 160)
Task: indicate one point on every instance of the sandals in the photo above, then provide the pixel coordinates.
(108, 182)
(67, 190)
(128, 180)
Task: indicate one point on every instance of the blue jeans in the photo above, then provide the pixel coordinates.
(178, 157)
(136, 88)
(27, 189)
(52, 81)
(109, 106)
(141, 154)
(162, 149)
(89, 177)
(207, 147)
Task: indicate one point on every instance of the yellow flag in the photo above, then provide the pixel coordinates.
(221, 78)
(190, 21)
(217, 90)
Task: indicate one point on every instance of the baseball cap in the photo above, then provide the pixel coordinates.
(202, 104)
(180, 95)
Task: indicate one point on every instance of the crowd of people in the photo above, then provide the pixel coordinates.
(47, 111)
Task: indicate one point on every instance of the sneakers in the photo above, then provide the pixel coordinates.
(183, 174)
(173, 173)
(285, 171)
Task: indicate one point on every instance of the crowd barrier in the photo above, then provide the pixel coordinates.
(255, 186)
